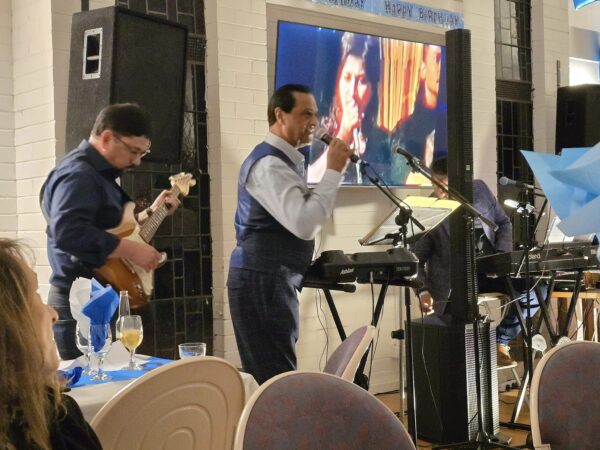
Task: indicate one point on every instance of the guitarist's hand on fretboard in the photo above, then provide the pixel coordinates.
(170, 200)
(139, 253)
(165, 198)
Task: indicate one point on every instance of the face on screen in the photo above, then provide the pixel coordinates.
(354, 89)
(373, 93)
(430, 72)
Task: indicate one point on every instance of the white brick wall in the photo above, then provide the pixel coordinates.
(479, 18)
(8, 200)
(34, 119)
(62, 12)
(236, 58)
(550, 43)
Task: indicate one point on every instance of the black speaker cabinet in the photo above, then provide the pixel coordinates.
(117, 56)
(460, 169)
(445, 385)
(577, 116)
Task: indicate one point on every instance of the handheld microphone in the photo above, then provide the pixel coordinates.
(325, 137)
(504, 181)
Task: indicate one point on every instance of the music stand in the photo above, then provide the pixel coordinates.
(428, 210)
(393, 230)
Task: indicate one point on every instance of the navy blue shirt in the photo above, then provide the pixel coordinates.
(81, 200)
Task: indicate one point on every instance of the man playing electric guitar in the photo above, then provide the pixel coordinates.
(82, 200)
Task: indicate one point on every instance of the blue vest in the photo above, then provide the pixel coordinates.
(263, 244)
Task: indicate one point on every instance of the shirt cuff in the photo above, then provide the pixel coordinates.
(332, 177)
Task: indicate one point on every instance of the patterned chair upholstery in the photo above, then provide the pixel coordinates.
(344, 361)
(565, 398)
(312, 410)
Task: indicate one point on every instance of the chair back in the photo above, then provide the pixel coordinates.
(190, 404)
(313, 410)
(565, 398)
(344, 361)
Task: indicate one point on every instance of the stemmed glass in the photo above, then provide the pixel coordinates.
(101, 347)
(132, 334)
(84, 345)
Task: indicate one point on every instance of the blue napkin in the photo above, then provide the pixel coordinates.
(71, 375)
(103, 303)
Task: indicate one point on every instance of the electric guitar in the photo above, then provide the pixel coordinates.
(122, 274)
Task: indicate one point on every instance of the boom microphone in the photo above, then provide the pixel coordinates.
(325, 137)
(403, 152)
(504, 181)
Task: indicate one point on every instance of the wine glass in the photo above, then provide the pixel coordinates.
(132, 334)
(101, 340)
(84, 345)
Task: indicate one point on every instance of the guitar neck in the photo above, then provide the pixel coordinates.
(149, 228)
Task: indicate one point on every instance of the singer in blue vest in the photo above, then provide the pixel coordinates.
(276, 220)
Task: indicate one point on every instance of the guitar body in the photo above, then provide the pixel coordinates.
(123, 275)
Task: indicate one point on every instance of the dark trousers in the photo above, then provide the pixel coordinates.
(509, 328)
(64, 328)
(264, 310)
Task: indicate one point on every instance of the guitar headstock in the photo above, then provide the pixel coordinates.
(183, 181)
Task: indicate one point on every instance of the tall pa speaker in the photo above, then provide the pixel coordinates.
(117, 56)
(577, 116)
(446, 391)
(460, 170)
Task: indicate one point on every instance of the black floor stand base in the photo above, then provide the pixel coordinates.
(483, 441)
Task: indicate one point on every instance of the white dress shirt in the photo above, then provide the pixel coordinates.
(286, 196)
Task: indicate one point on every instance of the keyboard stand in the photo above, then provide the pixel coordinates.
(327, 288)
(555, 336)
(360, 378)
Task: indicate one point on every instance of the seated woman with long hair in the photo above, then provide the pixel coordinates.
(33, 412)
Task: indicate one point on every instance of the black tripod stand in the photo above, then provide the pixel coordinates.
(525, 209)
(482, 439)
(402, 220)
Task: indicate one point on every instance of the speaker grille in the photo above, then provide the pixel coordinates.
(445, 371)
(460, 170)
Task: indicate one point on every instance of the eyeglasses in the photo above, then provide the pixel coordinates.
(134, 151)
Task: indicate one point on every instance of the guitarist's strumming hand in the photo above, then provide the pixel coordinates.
(139, 253)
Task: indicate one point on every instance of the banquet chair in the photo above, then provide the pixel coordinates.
(344, 361)
(565, 398)
(314, 410)
(193, 403)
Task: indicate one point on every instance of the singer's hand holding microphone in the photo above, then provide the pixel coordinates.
(338, 152)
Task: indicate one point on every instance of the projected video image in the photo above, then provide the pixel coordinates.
(374, 93)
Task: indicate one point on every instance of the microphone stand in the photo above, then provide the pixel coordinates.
(524, 209)
(483, 439)
(404, 217)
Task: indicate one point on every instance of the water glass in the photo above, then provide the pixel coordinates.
(101, 340)
(84, 345)
(191, 349)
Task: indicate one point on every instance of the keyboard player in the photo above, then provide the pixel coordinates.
(433, 251)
